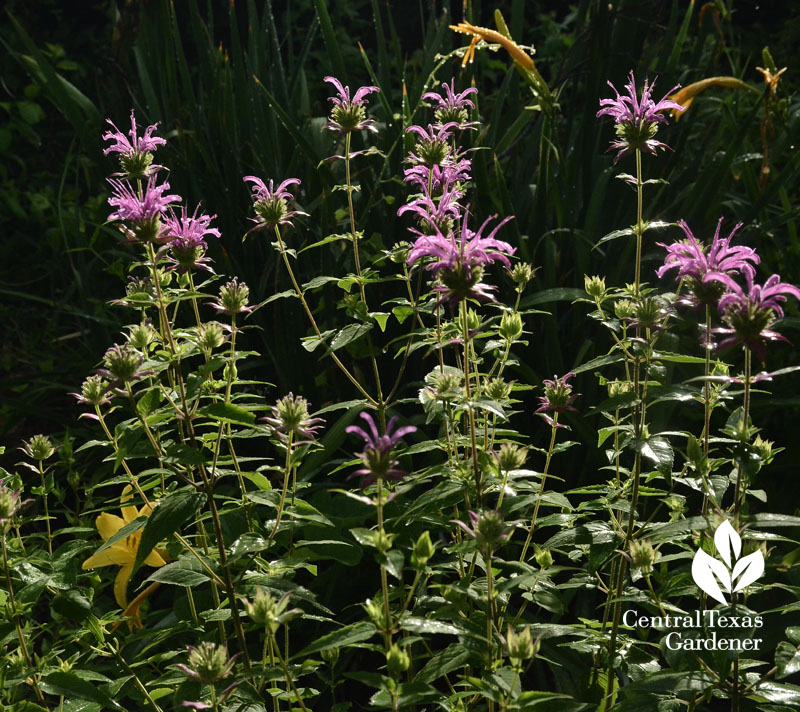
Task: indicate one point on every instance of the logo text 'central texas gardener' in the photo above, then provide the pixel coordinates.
(729, 629)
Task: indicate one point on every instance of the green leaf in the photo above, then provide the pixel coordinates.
(627, 232)
(184, 572)
(349, 334)
(70, 685)
(425, 625)
(658, 450)
(168, 515)
(319, 281)
(227, 413)
(443, 662)
(787, 659)
(381, 318)
(349, 635)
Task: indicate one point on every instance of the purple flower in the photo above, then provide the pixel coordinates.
(433, 145)
(135, 153)
(439, 176)
(460, 261)
(349, 114)
(557, 398)
(637, 119)
(290, 415)
(142, 209)
(452, 107)
(233, 298)
(378, 450)
(751, 315)
(702, 266)
(272, 204)
(187, 235)
(436, 213)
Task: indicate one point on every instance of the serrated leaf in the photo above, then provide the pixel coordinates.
(787, 659)
(349, 334)
(70, 685)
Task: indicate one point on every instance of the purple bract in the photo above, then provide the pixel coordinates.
(272, 204)
(142, 209)
(453, 107)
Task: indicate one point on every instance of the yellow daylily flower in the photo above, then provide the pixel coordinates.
(493, 37)
(123, 552)
(687, 94)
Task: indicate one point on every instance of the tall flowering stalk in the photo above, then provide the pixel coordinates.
(636, 119)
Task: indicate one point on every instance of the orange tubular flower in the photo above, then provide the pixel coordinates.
(686, 95)
(494, 37)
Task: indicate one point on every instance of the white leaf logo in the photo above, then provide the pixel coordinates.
(730, 575)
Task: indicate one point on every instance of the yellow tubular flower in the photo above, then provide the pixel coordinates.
(686, 96)
(494, 37)
(123, 552)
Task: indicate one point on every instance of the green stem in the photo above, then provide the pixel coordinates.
(46, 510)
(739, 494)
(128, 669)
(384, 581)
(553, 431)
(639, 222)
(286, 475)
(20, 635)
(287, 674)
(471, 413)
(301, 296)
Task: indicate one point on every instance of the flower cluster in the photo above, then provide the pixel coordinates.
(636, 118)
(440, 171)
(271, 204)
(378, 453)
(710, 273)
(348, 114)
(144, 207)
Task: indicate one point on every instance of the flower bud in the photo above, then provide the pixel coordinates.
(382, 541)
(122, 362)
(511, 326)
(520, 646)
(233, 297)
(473, 320)
(208, 663)
(595, 286)
(543, 557)
(94, 390)
(330, 655)
(522, 273)
(764, 449)
(643, 555)
(397, 660)
(618, 388)
(400, 252)
(423, 550)
(648, 311)
(39, 447)
(9, 503)
(624, 308)
(511, 456)
(210, 336)
(142, 335)
(447, 385)
(490, 529)
(374, 610)
(497, 389)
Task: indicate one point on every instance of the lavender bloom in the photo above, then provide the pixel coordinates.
(637, 119)
(751, 315)
(290, 415)
(439, 176)
(702, 267)
(452, 107)
(187, 234)
(433, 147)
(460, 262)
(436, 213)
(135, 153)
(142, 211)
(378, 450)
(272, 204)
(349, 114)
(558, 397)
